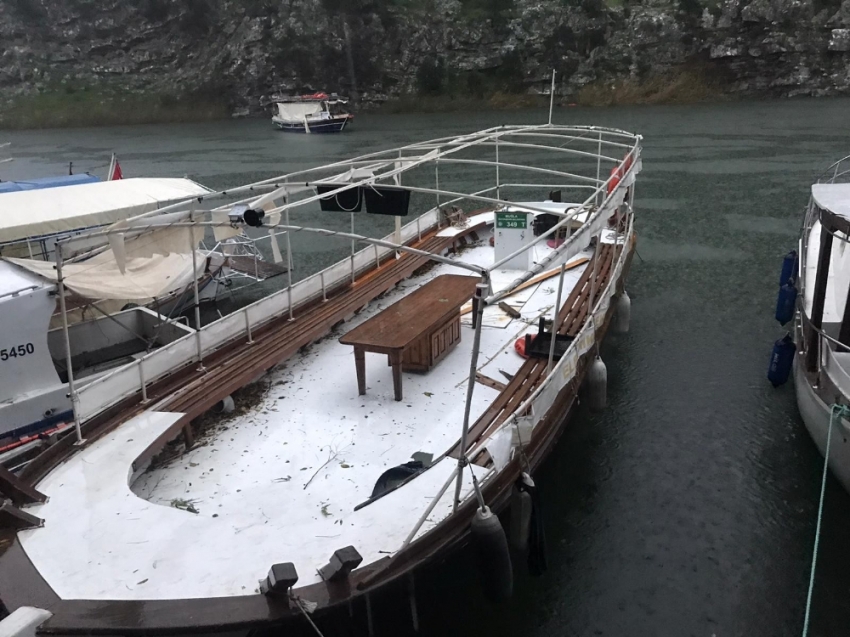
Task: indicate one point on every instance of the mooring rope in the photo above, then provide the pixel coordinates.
(304, 612)
(837, 412)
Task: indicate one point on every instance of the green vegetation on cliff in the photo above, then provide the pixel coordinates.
(63, 107)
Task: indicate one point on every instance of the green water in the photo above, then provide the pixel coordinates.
(688, 507)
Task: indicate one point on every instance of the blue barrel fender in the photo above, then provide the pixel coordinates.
(781, 361)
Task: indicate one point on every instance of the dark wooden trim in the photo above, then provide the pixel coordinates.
(844, 332)
(819, 297)
(17, 490)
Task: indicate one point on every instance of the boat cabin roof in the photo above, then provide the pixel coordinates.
(47, 182)
(834, 198)
(34, 213)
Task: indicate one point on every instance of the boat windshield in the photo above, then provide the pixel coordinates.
(337, 108)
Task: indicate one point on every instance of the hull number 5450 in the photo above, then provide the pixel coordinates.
(18, 350)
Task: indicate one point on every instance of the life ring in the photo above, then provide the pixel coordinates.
(614, 180)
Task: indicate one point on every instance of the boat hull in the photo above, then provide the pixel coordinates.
(816, 415)
(333, 125)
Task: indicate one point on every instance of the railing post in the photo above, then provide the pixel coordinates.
(324, 290)
(248, 327)
(194, 250)
(143, 382)
(289, 263)
(60, 282)
(556, 315)
(599, 171)
(352, 249)
(478, 320)
(497, 168)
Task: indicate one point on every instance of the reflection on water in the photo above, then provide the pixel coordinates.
(688, 507)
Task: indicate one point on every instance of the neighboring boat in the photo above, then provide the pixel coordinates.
(32, 220)
(39, 183)
(107, 289)
(821, 363)
(451, 372)
(34, 391)
(316, 113)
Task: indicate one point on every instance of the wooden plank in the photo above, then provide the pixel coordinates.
(17, 490)
(11, 517)
(535, 280)
(489, 382)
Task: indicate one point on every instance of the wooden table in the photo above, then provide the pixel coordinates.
(415, 332)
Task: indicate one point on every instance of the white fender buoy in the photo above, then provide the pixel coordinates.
(597, 385)
(623, 313)
(494, 557)
(225, 406)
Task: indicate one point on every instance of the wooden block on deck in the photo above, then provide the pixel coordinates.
(11, 517)
(17, 490)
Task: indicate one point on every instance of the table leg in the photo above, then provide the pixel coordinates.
(360, 366)
(395, 358)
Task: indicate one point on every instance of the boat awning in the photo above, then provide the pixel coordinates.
(47, 182)
(298, 110)
(834, 198)
(35, 213)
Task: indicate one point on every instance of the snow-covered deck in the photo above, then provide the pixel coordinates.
(281, 482)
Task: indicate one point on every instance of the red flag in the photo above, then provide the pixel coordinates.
(116, 172)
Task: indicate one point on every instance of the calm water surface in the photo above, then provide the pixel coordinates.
(688, 507)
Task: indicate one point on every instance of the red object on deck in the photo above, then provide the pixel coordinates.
(519, 346)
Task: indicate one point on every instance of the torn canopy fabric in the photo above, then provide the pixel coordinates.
(154, 267)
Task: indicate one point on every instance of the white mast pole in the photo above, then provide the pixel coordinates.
(552, 96)
(194, 250)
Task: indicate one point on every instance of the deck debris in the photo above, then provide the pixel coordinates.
(184, 505)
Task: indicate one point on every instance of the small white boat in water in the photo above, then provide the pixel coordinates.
(316, 113)
(821, 329)
(409, 391)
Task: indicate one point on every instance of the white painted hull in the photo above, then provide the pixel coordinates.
(816, 415)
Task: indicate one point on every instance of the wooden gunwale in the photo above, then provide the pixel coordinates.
(159, 617)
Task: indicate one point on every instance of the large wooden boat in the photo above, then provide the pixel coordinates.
(396, 413)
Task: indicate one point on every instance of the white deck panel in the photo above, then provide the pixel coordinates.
(101, 541)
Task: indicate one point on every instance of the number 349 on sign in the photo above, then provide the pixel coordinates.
(16, 351)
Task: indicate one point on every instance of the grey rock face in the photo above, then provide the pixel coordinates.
(250, 50)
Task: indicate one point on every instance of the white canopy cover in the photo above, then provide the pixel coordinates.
(298, 110)
(154, 265)
(34, 213)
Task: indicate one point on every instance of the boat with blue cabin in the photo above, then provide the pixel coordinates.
(316, 113)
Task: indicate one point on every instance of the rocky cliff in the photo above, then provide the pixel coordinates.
(247, 51)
